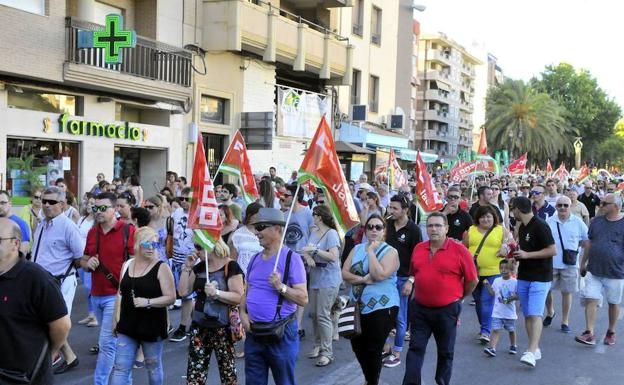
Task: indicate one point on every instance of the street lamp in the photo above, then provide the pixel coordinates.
(419, 7)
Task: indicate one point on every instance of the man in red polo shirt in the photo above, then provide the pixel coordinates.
(444, 273)
(109, 243)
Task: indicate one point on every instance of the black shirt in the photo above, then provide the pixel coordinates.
(404, 240)
(535, 236)
(30, 299)
(591, 202)
(458, 224)
(475, 206)
(214, 306)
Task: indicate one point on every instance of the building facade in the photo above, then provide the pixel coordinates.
(74, 116)
(445, 102)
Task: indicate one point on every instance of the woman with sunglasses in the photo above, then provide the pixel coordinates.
(146, 289)
(32, 213)
(210, 329)
(230, 223)
(493, 239)
(85, 223)
(371, 270)
(322, 256)
(158, 220)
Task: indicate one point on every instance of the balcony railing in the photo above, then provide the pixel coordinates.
(149, 59)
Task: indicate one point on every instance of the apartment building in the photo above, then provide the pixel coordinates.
(74, 115)
(445, 103)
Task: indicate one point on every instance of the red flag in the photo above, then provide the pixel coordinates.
(427, 195)
(236, 162)
(561, 172)
(549, 169)
(204, 212)
(583, 174)
(321, 165)
(482, 143)
(518, 166)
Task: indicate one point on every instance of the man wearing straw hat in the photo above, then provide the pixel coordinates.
(269, 298)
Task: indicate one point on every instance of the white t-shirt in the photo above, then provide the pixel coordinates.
(503, 289)
(552, 200)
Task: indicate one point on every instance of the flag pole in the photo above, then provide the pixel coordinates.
(206, 260)
(295, 195)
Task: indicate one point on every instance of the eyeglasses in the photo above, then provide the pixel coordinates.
(320, 202)
(560, 205)
(260, 227)
(101, 209)
(36, 197)
(533, 193)
(5, 239)
(50, 202)
(150, 207)
(374, 227)
(496, 188)
(149, 245)
(452, 197)
(185, 199)
(603, 203)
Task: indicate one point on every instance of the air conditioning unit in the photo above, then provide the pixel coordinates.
(396, 122)
(358, 113)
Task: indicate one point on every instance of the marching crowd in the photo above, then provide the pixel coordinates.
(509, 243)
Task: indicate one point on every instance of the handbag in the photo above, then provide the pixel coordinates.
(273, 332)
(169, 239)
(236, 328)
(8, 376)
(569, 256)
(349, 323)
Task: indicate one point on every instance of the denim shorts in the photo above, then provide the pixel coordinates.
(504, 323)
(533, 297)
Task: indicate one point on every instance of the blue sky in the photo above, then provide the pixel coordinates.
(527, 35)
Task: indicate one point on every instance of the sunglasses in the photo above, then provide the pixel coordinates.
(149, 245)
(560, 205)
(101, 209)
(533, 193)
(150, 207)
(374, 227)
(186, 199)
(603, 203)
(261, 227)
(50, 202)
(36, 196)
(452, 197)
(320, 202)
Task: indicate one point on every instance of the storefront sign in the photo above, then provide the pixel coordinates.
(83, 127)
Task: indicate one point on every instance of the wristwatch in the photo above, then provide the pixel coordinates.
(148, 303)
(283, 289)
(411, 279)
(218, 293)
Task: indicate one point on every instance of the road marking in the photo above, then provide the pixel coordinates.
(582, 381)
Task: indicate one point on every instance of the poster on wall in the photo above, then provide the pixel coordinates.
(299, 112)
(55, 171)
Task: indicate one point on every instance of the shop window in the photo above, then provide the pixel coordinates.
(38, 163)
(214, 110)
(101, 10)
(32, 6)
(127, 162)
(139, 114)
(214, 149)
(37, 100)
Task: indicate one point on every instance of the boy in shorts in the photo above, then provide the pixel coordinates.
(505, 291)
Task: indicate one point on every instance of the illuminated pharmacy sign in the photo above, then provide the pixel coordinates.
(113, 131)
(112, 39)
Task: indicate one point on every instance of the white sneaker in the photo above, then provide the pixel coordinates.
(538, 354)
(528, 359)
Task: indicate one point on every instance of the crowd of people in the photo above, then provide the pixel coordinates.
(502, 240)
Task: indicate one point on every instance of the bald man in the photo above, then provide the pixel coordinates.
(570, 233)
(33, 318)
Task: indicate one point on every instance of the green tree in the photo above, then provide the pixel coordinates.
(611, 151)
(521, 120)
(588, 108)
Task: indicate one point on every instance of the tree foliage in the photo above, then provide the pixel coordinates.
(588, 108)
(521, 120)
(610, 151)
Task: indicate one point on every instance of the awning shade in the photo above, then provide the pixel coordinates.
(443, 86)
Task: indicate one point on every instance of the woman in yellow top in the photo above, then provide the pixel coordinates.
(32, 213)
(488, 258)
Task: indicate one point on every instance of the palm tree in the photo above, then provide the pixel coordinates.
(519, 119)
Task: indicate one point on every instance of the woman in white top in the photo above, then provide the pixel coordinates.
(84, 225)
(267, 195)
(136, 190)
(499, 203)
(243, 242)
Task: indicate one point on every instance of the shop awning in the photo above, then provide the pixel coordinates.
(351, 148)
(410, 155)
(443, 86)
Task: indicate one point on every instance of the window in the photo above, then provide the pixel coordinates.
(101, 10)
(37, 100)
(373, 94)
(32, 6)
(357, 17)
(376, 26)
(139, 114)
(356, 87)
(213, 110)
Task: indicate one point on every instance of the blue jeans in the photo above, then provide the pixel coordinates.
(124, 360)
(281, 358)
(104, 307)
(484, 304)
(401, 319)
(85, 277)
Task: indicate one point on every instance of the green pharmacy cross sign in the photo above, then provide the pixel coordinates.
(112, 39)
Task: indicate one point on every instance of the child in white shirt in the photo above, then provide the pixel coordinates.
(505, 292)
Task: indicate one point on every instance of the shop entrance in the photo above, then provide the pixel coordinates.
(214, 149)
(150, 165)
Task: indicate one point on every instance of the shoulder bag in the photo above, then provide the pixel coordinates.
(8, 376)
(478, 250)
(169, 239)
(236, 328)
(103, 269)
(569, 256)
(273, 332)
(349, 323)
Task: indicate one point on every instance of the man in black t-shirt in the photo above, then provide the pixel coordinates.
(402, 234)
(589, 199)
(459, 221)
(33, 317)
(537, 247)
(484, 194)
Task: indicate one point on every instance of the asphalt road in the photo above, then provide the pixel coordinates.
(564, 362)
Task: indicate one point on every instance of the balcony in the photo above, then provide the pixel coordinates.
(270, 32)
(311, 4)
(438, 95)
(438, 75)
(468, 70)
(466, 105)
(151, 70)
(440, 56)
(438, 115)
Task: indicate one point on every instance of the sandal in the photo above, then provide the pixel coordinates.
(323, 361)
(93, 323)
(94, 349)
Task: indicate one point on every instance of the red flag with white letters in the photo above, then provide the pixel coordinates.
(425, 190)
(518, 166)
